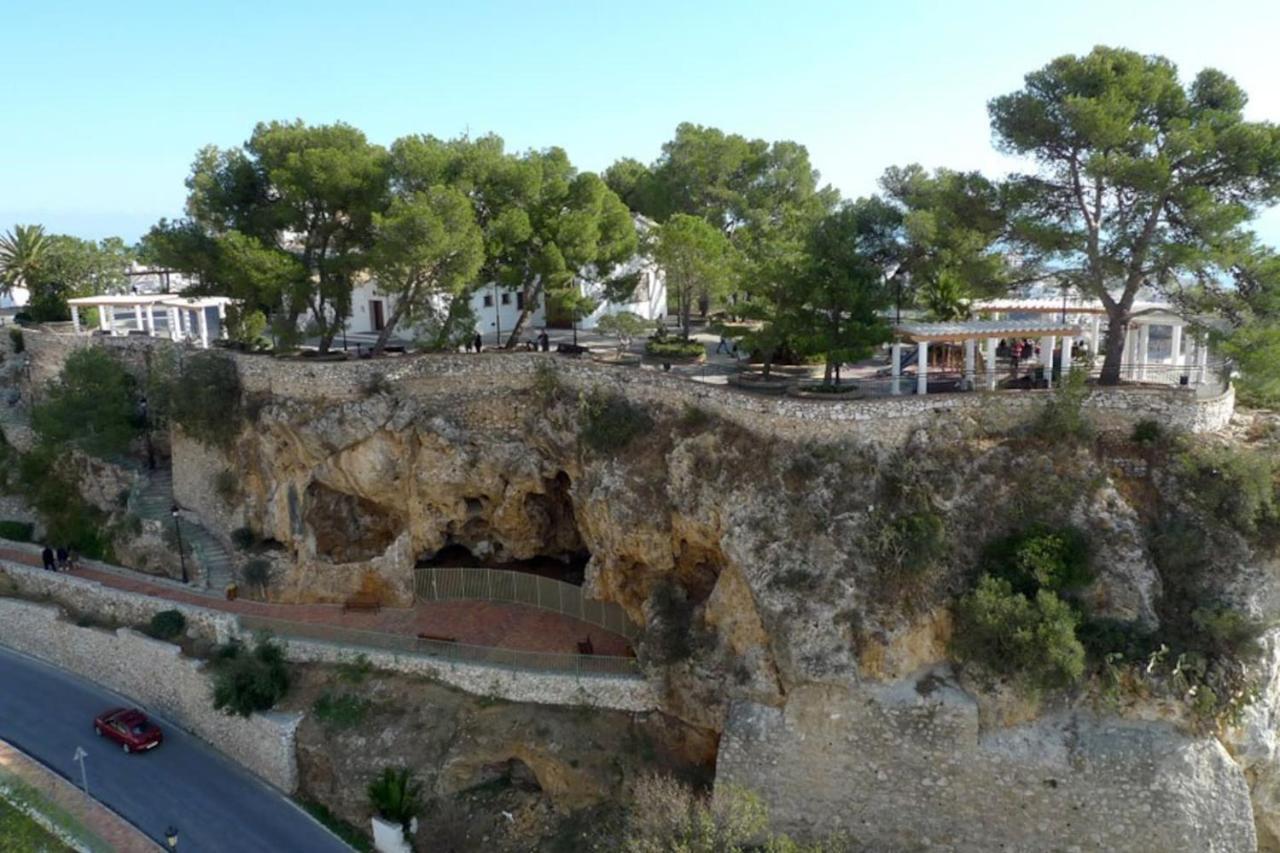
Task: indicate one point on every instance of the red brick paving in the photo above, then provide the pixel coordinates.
(480, 623)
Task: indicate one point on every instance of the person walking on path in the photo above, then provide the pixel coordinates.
(723, 346)
(544, 341)
(62, 558)
(47, 556)
(478, 343)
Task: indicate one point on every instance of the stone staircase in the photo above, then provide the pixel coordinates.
(153, 501)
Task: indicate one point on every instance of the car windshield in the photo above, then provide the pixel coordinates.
(140, 728)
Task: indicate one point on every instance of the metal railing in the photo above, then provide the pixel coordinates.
(438, 584)
(448, 652)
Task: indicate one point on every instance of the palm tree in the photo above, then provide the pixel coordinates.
(21, 251)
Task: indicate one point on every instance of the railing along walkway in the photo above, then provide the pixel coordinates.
(463, 584)
(515, 659)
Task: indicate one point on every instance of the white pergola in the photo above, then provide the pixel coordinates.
(1138, 363)
(968, 333)
(185, 318)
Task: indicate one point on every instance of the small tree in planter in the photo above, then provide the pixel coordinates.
(625, 326)
(397, 797)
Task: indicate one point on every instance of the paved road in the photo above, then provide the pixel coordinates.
(216, 806)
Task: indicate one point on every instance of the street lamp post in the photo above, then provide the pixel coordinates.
(182, 556)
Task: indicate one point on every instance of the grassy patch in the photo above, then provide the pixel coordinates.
(610, 422)
(347, 831)
(20, 833)
(340, 711)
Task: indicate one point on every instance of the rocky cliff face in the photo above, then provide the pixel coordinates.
(785, 602)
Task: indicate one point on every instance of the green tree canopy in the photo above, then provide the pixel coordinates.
(696, 258)
(69, 267)
(839, 291)
(21, 251)
(426, 252)
(1139, 179)
(91, 406)
(285, 221)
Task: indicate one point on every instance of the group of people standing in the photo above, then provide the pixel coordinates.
(58, 561)
(541, 342)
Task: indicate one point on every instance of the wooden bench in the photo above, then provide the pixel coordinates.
(363, 601)
(437, 638)
(585, 647)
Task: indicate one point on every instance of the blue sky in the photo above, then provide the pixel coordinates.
(110, 101)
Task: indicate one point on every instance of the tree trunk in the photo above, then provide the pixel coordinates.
(1117, 327)
(389, 327)
(530, 295)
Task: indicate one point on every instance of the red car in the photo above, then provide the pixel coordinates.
(130, 728)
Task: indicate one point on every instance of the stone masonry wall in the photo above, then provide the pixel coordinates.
(196, 467)
(905, 767)
(155, 675)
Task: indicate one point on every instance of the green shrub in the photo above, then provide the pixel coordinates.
(396, 796)
(1030, 639)
(668, 639)
(341, 711)
(257, 573)
(1063, 416)
(546, 383)
(1040, 557)
(1228, 633)
(206, 403)
(69, 519)
(244, 538)
(674, 348)
(609, 422)
(19, 342)
(1235, 486)
(92, 405)
(695, 417)
(227, 486)
(16, 531)
(167, 624)
(1147, 431)
(246, 681)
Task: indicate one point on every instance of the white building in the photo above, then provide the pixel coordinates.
(496, 309)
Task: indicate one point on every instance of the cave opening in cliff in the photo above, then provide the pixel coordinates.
(560, 553)
(570, 567)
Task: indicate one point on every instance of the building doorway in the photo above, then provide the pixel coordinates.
(376, 317)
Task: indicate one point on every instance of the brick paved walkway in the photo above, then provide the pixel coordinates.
(480, 623)
(117, 833)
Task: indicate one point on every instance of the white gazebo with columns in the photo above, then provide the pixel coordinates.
(969, 333)
(176, 317)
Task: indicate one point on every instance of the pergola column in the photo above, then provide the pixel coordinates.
(1095, 335)
(895, 370)
(137, 317)
(173, 323)
(992, 343)
(1047, 343)
(1175, 344)
(106, 319)
(1202, 358)
(75, 318)
(1130, 345)
(204, 329)
(1144, 345)
(151, 319)
(1067, 342)
(922, 367)
(970, 356)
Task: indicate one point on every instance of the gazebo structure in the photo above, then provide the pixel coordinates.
(198, 319)
(1157, 346)
(968, 333)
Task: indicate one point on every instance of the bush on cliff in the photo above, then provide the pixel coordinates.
(609, 422)
(92, 406)
(1040, 557)
(167, 624)
(1234, 486)
(1010, 634)
(206, 400)
(246, 681)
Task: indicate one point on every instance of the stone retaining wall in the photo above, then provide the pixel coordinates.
(114, 605)
(542, 688)
(155, 675)
(905, 767)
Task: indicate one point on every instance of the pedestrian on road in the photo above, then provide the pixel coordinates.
(62, 558)
(468, 344)
(544, 341)
(47, 556)
(478, 343)
(723, 346)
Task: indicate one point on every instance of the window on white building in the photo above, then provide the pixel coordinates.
(488, 301)
(506, 299)
(520, 301)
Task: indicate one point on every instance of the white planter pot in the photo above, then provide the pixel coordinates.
(388, 837)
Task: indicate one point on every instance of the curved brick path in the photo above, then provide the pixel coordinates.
(480, 623)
